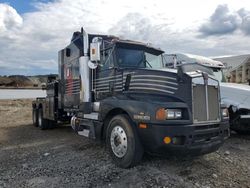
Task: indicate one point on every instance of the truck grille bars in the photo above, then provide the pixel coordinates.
(206, 103)
(138, 82)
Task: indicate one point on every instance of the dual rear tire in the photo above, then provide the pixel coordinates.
(40, 121)
(35, 117)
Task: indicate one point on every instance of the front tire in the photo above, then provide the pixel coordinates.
(123, 142)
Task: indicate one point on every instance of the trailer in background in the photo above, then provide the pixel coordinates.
(235, 96)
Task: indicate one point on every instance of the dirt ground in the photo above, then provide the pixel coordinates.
(30, 157)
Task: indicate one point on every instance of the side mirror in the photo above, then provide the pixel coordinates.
(95, 53)
(92, 65)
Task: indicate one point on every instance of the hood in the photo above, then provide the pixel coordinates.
(234, 94)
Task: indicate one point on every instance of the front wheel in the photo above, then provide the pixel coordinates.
(123, 142)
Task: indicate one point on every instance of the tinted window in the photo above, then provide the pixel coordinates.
(130, 58)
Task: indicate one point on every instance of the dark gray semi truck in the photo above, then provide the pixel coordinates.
(116, 91)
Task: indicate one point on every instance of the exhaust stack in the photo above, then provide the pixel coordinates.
(85, 95)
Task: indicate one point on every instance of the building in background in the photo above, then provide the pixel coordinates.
(237, 68)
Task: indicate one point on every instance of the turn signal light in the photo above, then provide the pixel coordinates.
(143, 126)
(161, 114)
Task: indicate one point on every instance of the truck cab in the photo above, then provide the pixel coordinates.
(116, 91)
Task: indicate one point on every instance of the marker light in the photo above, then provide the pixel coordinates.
(167, 140)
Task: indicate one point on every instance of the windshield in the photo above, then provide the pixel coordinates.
(219, 75)
(137, 59)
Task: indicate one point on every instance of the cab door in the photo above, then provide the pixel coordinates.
(108, 79)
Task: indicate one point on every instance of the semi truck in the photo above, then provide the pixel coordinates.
(115, 91)
(235, 96)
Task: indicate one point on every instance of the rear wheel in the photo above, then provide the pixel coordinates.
(123, 142)
(42, 123)
(34, 117)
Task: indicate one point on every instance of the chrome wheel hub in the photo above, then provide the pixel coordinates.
(118, 141)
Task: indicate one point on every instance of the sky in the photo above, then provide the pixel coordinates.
(33, 31)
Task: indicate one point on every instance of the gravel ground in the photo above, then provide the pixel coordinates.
(30, 157)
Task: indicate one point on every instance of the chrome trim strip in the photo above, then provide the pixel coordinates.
(205, 122)
(76, 91)
(107, 88)
(244, 116)
(148, 88)
(153, 76)
(107, 91)
(157, 85)
(109, 80)
(206, 96)
(109, 77)
(107, 83)
(73, 86)
(73, 93)
(126, 73)
(152, 80)
(68, 84)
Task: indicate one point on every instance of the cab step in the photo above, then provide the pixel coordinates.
(88, 126)
(93, 116)
(84, 132)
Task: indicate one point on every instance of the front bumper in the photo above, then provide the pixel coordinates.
(191, 139)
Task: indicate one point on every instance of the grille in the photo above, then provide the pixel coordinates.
(202, 110)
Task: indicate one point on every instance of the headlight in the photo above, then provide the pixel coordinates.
(165, 114)
(225, 113)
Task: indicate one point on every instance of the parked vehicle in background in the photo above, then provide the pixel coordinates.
(235, 96)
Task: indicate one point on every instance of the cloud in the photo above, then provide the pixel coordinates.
(245, 15)
(29, 43)
(9, 18)
(221, 22)
(136, 26)
(133, 26)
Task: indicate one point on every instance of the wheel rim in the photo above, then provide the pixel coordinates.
(118, 141)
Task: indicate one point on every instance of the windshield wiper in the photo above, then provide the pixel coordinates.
(144, 60)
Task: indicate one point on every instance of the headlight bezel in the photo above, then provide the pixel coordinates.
(169, 114)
